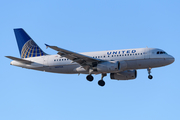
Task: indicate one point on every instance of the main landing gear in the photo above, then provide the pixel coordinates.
(90, 78)
(149, 71)
(100, 82)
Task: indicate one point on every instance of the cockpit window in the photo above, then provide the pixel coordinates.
(161, 52)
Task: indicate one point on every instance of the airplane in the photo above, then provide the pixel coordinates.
(121, 64)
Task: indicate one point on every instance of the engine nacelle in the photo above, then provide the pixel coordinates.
(111, 66)
(125, 75)
(107, 66)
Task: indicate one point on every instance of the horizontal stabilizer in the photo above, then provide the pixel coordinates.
(19, 60)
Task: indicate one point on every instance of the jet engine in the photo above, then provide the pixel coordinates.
(107, 66)
(110, 66)
(125, 75)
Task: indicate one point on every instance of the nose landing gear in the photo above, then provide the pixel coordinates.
(149, 71)
(150, 76)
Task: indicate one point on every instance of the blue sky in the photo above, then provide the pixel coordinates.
(83, 26)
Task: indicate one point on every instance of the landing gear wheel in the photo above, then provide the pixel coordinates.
(149, 71)
(101, 83)
(150, 76)
(90, 78)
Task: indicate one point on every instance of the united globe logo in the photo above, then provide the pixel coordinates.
(31, 49)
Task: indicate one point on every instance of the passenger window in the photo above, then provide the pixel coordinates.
(136, 54)
(117, 55)
(130, 54)
(104, 56)
(158, 52)
(112, 55)
(141, 53)
(54, 60)
(108, 55)
(127, 54)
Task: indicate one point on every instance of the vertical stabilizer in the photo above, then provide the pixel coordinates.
(27, 47)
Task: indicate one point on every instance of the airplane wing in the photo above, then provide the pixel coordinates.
(19, 60)
(83, 60)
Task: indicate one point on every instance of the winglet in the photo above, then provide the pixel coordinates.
(47, 45)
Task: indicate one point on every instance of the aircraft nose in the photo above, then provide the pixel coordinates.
(171, 59)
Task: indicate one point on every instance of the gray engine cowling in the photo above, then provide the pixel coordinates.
(107, 66)
(110, 66)
(125, 75)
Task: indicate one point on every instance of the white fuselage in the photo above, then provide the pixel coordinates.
(140, 58)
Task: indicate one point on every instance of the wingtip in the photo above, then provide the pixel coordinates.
(47, 46)
(7, 56)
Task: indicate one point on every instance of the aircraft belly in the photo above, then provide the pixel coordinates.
(150, 63)
(145, 63)
(131, 64)
(159, 62)
(62, 69)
